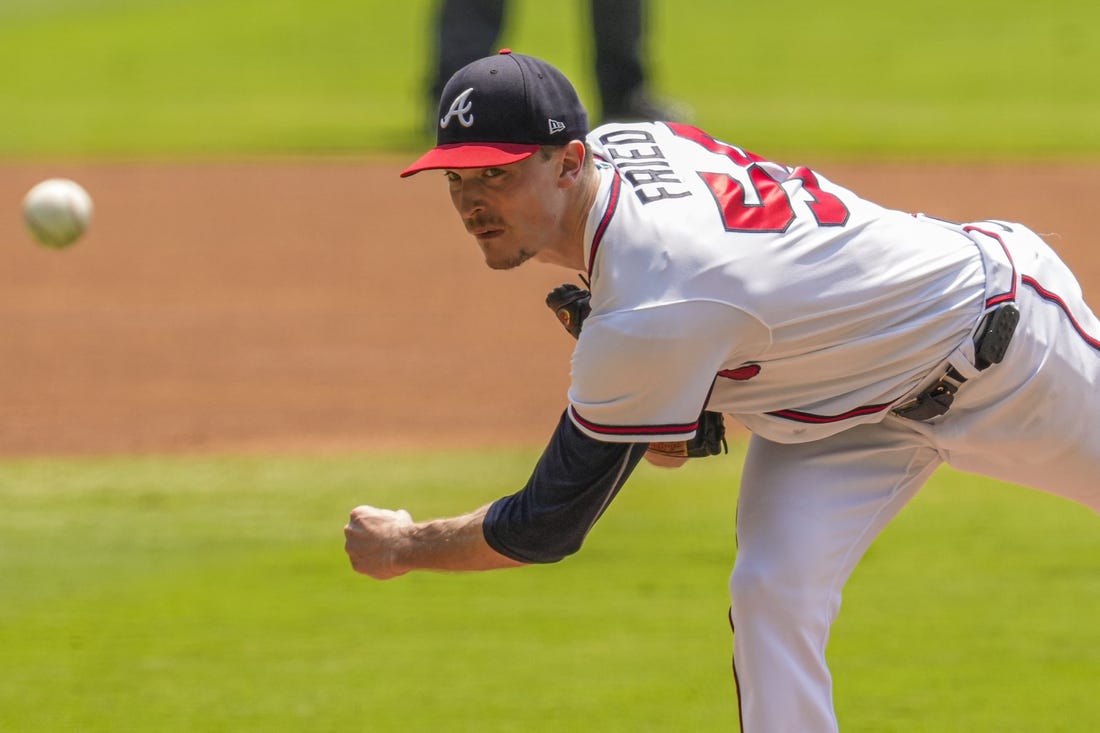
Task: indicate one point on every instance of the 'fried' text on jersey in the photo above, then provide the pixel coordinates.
(641, 162)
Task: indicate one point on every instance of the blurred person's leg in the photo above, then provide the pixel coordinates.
(466, 30)
(619, 37)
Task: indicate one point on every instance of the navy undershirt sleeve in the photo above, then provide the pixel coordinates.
(572, 485)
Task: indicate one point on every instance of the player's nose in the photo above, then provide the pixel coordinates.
(468, 199)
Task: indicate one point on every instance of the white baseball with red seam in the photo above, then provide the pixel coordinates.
(57, 212)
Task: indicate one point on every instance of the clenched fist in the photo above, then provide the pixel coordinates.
(371, 540)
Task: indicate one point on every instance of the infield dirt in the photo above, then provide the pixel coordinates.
(330, 306)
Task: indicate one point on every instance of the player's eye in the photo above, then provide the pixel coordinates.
(451, 176)
(493, 172)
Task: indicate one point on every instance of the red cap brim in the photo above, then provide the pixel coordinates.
(471, 155)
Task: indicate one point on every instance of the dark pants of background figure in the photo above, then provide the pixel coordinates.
(468, 30)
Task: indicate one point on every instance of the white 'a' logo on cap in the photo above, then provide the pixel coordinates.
(461, 109)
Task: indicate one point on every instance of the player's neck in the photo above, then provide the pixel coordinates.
(569, 251)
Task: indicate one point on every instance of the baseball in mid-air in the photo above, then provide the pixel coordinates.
(57, 212)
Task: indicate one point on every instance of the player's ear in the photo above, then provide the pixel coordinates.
(572, 162)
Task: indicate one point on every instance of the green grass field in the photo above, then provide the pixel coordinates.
(180, 78)
(212, 594)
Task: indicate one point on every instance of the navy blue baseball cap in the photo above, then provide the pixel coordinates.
(500, 110)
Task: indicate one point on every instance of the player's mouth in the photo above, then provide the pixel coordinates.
(484, 227)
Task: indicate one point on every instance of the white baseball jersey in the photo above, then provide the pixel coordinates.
(725, 281)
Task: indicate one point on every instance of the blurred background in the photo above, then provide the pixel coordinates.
(856, 78)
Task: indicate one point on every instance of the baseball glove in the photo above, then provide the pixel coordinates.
(571, 306)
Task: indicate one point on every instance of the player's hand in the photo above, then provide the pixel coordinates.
(663, 460)
(371, 538)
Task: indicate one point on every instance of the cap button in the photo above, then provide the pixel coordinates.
(504, 51)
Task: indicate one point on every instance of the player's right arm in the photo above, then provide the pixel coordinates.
(385, 544)
(572, 485)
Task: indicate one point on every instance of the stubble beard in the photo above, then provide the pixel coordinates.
(506, 261)
(510, 263)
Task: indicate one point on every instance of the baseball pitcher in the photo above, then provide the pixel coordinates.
(862, 346)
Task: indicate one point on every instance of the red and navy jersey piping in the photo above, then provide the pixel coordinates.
(1010, 294)
(809, 417)
(605, 220)
(644, 432)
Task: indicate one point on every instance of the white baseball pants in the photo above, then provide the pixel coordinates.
(808, 512)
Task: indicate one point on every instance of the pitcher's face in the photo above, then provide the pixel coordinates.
(513, 211)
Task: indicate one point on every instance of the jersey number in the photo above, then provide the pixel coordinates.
(769, 209)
